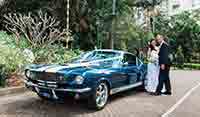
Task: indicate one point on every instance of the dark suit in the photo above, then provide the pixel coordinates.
(164, 74)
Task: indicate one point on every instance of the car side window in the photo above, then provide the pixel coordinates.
(129, 59)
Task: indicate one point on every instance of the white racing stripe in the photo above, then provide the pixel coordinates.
(57, 68)
(181, 101)
(46, 67)
(41, 69)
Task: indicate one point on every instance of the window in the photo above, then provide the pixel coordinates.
(129, 59)
(195, 3)
(176, 6)
(95, 55)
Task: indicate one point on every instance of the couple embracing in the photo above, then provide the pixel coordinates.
(158, 67)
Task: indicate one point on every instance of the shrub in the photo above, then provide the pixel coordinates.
(11, 58)
(54, 54)
(12, 61)
(192, 66)
(10, 41)
(51, 53)
(179, 58)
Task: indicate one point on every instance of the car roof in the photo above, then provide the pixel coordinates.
(116, 51)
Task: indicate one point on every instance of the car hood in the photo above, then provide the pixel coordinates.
(64, 69)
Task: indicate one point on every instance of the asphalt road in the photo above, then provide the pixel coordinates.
(183, 103)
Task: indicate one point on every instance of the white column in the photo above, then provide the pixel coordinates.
(67, 26)
(67, 15)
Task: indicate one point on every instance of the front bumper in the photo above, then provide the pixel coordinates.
(77, 93)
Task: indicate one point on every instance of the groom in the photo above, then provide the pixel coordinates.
(164, 63)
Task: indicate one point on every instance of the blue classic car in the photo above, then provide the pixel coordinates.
(94, 75)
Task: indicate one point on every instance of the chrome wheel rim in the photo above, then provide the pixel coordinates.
(101, 95)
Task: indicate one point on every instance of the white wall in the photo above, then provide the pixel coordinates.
(184, 5)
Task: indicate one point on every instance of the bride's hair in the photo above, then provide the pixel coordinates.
(151, 46)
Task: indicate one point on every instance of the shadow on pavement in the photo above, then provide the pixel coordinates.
(35, 106)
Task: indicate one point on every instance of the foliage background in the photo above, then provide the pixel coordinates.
(183, 33)
(93, 24)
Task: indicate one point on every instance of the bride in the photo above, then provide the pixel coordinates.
(152, 68)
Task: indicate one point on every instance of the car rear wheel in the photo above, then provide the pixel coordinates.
(100, 97)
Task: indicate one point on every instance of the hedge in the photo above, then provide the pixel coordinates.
(192, 66)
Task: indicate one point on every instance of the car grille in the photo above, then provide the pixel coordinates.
(47, 84)
(47, 76)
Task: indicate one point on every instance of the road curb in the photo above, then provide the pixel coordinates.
(12, 90)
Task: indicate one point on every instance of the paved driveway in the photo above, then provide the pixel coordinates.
(183, 103)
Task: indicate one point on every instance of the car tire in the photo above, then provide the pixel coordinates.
(99, 98)
(142, 87)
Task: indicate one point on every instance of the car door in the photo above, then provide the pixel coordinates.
(117, 76)
(130, 68)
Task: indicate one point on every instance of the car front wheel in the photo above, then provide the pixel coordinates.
(100, 97)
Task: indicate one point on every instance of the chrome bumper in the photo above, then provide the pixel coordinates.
(30, 84)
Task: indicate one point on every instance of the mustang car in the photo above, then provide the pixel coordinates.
(93, 75)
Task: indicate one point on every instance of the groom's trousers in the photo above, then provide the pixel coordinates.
(164, 80)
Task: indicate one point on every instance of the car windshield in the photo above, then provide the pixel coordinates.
(95, 55)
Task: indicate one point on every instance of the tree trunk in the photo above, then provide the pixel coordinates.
(111, 41)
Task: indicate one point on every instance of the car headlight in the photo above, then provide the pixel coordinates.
(79, 79)
(30, 74)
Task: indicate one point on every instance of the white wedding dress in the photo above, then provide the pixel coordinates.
(153, 70)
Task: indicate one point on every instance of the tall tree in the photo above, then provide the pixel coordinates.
(149, 11)
(182, 30)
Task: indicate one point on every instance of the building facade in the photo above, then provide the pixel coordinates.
(173, 7)
(167, 8)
